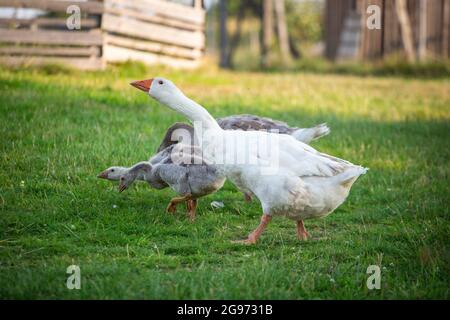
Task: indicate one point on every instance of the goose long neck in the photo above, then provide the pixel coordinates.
(193, 111)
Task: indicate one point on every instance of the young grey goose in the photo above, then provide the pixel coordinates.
(190, 176)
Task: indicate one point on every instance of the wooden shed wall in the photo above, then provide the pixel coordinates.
(47, 39)
(152, 31)
(379, 43)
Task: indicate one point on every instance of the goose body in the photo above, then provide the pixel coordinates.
(182, 132)
(299, 182)
(191, 176)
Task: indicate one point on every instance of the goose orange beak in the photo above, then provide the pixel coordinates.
(103, 175)
(143, 85)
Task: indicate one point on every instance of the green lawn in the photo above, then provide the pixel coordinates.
(59, 129)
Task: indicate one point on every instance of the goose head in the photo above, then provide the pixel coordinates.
(126, 180)
(141, 171)
(163, 90)
(167, 93)
(112, 173)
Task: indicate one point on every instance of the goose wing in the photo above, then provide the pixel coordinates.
(303, 160)
(248, 122)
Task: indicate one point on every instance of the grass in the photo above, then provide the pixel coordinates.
(59, 128)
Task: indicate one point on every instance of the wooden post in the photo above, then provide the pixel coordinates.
(234, 42)
(422, 30)
(282, 29)
(405, 28)
(267, 28)
(446, 30)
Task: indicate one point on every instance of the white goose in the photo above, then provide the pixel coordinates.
(298, 182)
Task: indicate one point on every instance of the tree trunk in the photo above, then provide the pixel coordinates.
(267, 32)
(405, 28)
(237, 34)
(282, 29)
(223, 34)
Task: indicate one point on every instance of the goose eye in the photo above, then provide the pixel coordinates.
(160, 82)
(112, 170)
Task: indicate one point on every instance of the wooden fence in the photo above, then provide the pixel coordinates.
(378, 43)
(151, 31)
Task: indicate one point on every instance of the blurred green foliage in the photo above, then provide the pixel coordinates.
(304, 21)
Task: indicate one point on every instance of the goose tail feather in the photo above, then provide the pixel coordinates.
(309, 134)
(349, 176)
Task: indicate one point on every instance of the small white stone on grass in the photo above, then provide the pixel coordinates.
(217, 204)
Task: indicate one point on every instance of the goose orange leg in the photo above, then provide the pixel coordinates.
(254, 236)
(302, 234)
(247, 197)
(192, 208)
(172, 207)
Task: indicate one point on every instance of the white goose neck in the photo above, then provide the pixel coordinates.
(191, 110)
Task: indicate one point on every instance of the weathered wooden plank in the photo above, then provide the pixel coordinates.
(154, 18)
(93, 37)
(149, 46)
(164, 9)
(49, 22)
(51, 51)
(94, 7)
(118, 54)
(80, 63)
(150, 31)
(446, 29)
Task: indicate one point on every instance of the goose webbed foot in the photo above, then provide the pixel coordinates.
(171, 208)
(250, 240)
(302, 234)
(254, 236)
